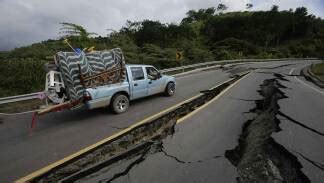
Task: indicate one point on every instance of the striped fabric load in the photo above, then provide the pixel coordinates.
(91, 64)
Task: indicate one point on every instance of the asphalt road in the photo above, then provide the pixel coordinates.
(195, 152)
(58, 135)
(200, 141)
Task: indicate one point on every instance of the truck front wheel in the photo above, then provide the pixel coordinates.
(170, 89)
(119, 103)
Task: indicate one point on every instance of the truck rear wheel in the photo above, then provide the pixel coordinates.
(170, 89)
(119, 103)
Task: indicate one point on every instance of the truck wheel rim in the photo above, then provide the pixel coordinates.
(121, 104)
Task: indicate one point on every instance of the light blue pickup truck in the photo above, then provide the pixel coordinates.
(139, 81)
(142, 81)
(100, 79)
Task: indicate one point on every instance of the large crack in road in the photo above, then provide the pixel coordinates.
(258, 157)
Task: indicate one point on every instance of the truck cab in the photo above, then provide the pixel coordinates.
(142, 81)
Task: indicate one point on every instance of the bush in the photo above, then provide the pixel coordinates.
(21, 76)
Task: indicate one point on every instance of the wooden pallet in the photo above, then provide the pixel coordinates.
(110, 76)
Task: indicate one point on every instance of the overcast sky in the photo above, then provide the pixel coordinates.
(23, 22)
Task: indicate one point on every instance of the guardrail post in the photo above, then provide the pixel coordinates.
(183, 70)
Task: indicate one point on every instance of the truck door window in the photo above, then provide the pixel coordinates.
(152, 73)
(137, 73)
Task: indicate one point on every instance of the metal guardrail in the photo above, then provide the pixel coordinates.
(182, 68)
(207, 64)
(18, 98)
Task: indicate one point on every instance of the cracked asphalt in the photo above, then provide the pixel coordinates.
(196, 150)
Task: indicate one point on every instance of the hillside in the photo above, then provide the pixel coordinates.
(202, 35)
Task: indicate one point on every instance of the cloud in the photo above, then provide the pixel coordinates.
(24, 22)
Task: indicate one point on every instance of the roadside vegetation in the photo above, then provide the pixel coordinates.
(202, 35)
(21, 106)
(318, 70)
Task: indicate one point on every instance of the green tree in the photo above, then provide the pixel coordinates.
(200, 15)
(221, 7)
(274, 8)
(249, 6)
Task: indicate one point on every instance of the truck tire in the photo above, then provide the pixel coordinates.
(119, 103)
(170, 89)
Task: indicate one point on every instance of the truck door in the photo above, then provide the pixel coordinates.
(155, 82)
(139, 83)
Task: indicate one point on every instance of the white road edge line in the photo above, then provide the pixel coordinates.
(304, 83)
(315, 89)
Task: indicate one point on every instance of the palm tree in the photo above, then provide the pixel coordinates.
(70, 29)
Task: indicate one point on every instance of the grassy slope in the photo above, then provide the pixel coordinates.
(318, 70)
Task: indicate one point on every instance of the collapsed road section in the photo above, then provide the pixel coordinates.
(258, 157)
(136, 141)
